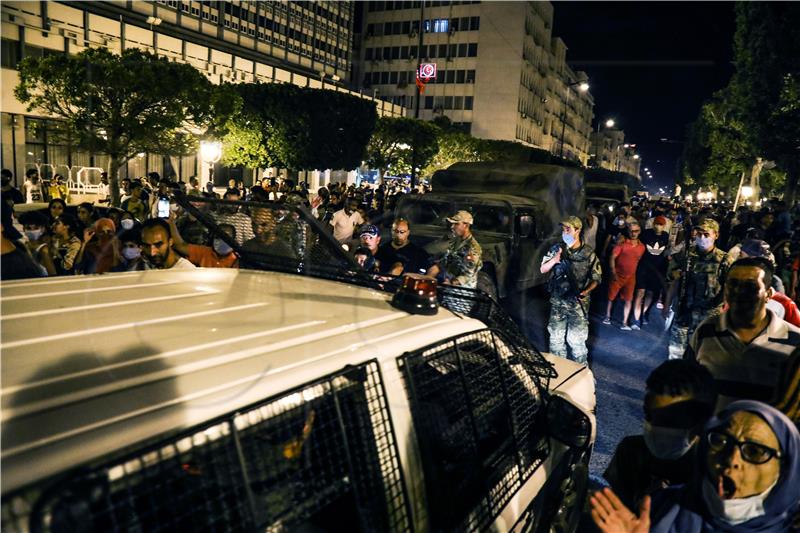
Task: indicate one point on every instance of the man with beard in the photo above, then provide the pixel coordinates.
(266, 245)
(401, 255)
(346, 220)
(462, 260)
(747, 348)
(157, 247)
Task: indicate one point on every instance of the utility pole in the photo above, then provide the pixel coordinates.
(418, 93)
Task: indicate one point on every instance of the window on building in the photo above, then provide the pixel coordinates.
(402, 78)
(470, 76)
(462, 50)
(406, 27)
(393, 77)
(474, 23)
(412, 52)
(404, 52)
(468, 102)
(370, 27)
(463, 24)
(10, 52)
(453, 51)
(368, 54)
(440, 25)
(460, 76)
(438, 103)
(442, 50)
(384, 78)
(427, 26)
(395, 52)
(458, 102)
(454, 24)
(429, 102)
(451, 76)
(387, 52)
(472, 50)
(448, 102)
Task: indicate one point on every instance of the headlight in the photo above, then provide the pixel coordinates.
(567, 423)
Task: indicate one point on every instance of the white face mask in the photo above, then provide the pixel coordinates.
(667, 443)
(704, 243)
(735, 510)
(126, 223)
(34, 234)
(131, 253)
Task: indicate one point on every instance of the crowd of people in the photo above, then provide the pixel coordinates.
(719, 448)
(151, 231)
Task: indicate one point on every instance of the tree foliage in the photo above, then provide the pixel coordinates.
(392, 146)
(286, 126)
(122, 105)
(758, 113)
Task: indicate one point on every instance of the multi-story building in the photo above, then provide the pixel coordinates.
(305, 43)
(501, 74)
(613, 153)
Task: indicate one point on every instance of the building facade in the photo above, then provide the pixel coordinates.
(613, 153)
(501, 74)
(305, 43)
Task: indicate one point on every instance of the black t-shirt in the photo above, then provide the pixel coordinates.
(12, 197)
(413, 258)
(18, 264)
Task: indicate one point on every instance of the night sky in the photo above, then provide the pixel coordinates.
(651, 65)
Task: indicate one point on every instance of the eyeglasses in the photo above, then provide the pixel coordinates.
(757, 454)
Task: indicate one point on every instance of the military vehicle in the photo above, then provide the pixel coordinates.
(517, 209)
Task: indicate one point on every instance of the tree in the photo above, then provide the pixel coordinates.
(286, 126)
(399, 144)
(122, 105)
(767, 82)
(717, 149)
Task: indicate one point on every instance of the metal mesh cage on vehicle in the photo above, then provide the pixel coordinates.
(319, 457)
(477, 408)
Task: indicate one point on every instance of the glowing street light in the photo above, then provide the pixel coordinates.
(747, 191)
(636, 156)
(210, 152)
(610, 123)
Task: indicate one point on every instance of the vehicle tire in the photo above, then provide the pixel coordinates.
(486, 285)
(574, 488)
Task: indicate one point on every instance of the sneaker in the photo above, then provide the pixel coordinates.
(607, 321)
(626, 328)
(635, 327)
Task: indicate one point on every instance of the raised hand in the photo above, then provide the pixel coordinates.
(611, 516)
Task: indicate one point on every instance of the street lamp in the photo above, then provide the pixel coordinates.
(210, 152)
(747, 191)
(609, 124)
(582, 86)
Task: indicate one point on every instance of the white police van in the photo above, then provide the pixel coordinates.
(243, 400)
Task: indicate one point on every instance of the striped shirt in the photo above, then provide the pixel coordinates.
(751, 371)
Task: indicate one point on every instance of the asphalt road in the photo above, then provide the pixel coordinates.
(620, 360)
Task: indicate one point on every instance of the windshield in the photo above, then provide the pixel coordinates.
(494, 218)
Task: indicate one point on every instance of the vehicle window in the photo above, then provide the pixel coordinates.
(426, 212)
(474, 404)
(322, 457)
(495, 218)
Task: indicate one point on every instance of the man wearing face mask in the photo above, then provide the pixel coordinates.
(747, 348)
(679, 399)
(131, 252)
(697, 277)
(576, 272)
(219, 255)
(34, 225)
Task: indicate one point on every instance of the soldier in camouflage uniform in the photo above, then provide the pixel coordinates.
(575, 273)
(462, 260)
(702, 292)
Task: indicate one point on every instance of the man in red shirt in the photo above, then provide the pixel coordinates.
(218, 255)
(624, 258)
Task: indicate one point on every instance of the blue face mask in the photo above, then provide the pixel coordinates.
(704, 243)
(221, 247)
(568, 239)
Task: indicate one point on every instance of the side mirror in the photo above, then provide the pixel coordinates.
(568, 424)
(527, 226)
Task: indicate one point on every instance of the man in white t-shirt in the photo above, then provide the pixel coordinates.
(32, 188)
(157, 247)
(103, 190)
(346, 220)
